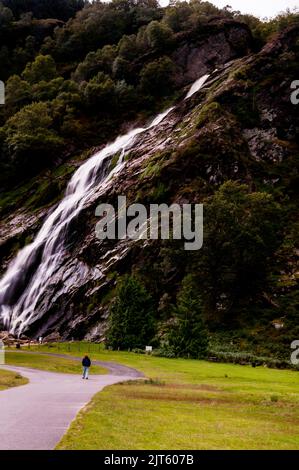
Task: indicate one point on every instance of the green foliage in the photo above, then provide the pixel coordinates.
(177, 16)
(156, 78)
(208, 112)
(30, 138)
(188, 337)
(43, 68)
(277, 24)
(109, 62)
(94, 62)
(240, 236)
(18, 94)
(99, 91)
(131, 323)
(100, 24)
(127, 47)
(249, 359)
(159, 36)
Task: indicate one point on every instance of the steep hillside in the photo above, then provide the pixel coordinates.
(232, 146)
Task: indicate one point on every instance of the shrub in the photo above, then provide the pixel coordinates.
(138, 351)
(208, 112)
(166, 351)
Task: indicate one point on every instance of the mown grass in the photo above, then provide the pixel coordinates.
(10, 379)
(189, 404)
(48, 363)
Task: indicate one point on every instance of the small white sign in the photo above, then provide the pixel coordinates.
(148, 349)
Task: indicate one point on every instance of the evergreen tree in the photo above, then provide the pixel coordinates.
(131, 317)
(43, 68)
(188, 337)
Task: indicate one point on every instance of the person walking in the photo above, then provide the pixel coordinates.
(86, 363)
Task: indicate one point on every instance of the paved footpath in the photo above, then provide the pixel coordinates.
(35, 416)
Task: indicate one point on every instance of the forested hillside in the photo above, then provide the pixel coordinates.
(77, 74)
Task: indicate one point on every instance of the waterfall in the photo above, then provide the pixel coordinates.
(30, 273)
(197, 86)
(44, 255)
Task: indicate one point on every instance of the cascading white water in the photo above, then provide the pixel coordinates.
(197, 86)
(50, 240)
(30, 273)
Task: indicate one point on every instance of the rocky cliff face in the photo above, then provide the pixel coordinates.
(240, 126)
(219, 42)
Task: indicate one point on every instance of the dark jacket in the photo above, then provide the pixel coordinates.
(86, 362)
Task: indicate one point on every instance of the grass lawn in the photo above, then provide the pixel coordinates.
(11, 379)
(49, 363)
(189, 404)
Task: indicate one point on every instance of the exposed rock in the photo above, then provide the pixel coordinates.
(220, 42)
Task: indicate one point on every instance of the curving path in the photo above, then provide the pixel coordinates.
(36, 416)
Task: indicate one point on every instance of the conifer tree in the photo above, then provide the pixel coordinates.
(188, 336)
(131, 322)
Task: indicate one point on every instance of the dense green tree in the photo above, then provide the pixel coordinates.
(30, 138)
(100, 61)
(159, 35)
(156, 78)
(47, 90)
(127, 47)
(177, 16)
(93, 27)
(131, 323)
(18, 94)
(122, 69)
(241, 233)
(188, 336)
(100, 92)
(43, 68)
